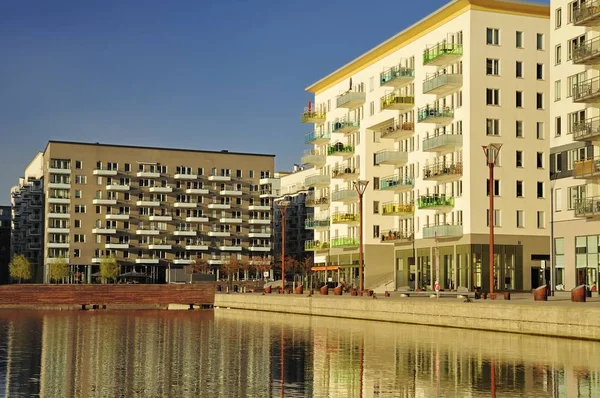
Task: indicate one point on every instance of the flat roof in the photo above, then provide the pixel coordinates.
(223, 152)
(424, 26)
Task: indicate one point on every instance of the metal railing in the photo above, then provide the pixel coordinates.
(396, 234)
(442, 169)
(339, 148)
(397, 126)
(587, 90)
(392, 182)
(315, 135)
(433, 201)
(396, 72)
(396, 99)
(441, 49)
(344, 241)
(338, 218)
(587, 207)
(428, 113)
(392, 208)
(586, 129)
(585, 11)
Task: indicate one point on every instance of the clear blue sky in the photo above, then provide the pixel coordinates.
(203, 74)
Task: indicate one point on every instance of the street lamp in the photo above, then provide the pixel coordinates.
(552, 261)
(283, 205)
(360, 186)
(491, 152)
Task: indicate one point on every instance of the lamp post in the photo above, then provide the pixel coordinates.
(283, 205)
(552, 261)
(491, 152)
(361, 187)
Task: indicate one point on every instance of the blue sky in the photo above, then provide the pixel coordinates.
(209, 74)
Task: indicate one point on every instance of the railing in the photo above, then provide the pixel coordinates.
(339, 148)
(587, 49)
(316, 179)
(587, 10)
(312, 201)
(396, 234)
(308, 116)
(395, 157)
(396, 72)
(433, 201)
(393, 181)
(343, 170)
(316, 135)
(397, 208)
(442, 169)
(344, 218)
(428, 113)
(343, 124)
(441, 49)
(442, 231)
(315, 245)
(430, 143)
(395, 99)
(587, 207)
(586, 129)
(344, 194)
(397, 126)
(312, 223)
(587, 168)
(344, 241)
(350, 96)
(587, 90)
(438, 80)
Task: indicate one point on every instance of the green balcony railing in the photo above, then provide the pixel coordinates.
(442, 49)
(340, 149)
(394, 73)
(313, 116)
(343, 125)
(313, 136)
(311, 223)
(392, 182)
(435, 201)
(314, 245)
(344, 241)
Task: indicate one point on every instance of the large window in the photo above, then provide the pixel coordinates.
(587, 259)
(492, 96)
(492, 67)
(575, 194)
(492, 127)
(493, 36)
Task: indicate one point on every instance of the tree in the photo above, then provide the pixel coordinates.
(199, 266)
(305, 266)
(262, 265)
(246, 266)
(231, 267)
(291, 264)
(20, 268)
(59, 270)
(109, 269)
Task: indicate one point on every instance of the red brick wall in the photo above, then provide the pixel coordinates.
(38, 294)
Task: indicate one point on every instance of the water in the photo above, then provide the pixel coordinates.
(229, 353)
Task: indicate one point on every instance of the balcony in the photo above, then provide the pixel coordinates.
(313, 158)
(315, 245)
(104, 231)
(443, 143)
(311, 223)
(118, 187)
(587, 14)
(58, 245)
(96, 260)
(105, 172)
(396, 101)
(148, 174)
(216, 261)
(121, 217)
(219, 206)
(259, 221)
(442, 231)
(54, 170)
(52, 230)
(397, 130)
(185, 205)
(161, 218)
(587, 91)
(230, 248)
(259, 248)
(59, 200)
(435, 115)
(345, 218)
(105, 202)
(317, 137)
(587, 130)
(402, 210)
(351, 99)
(185, 176)
(340, 149)
(443, 53)
(262, 234)
(345, 172)
(442, 83)
(196, 219)
(219, 234)
(230, 220)
(344, 196)
(196, 247)
(311, 201)
(311, 116)
(52, 260)
(436, 202)
(219, 178)
(147, 260)
(148, 203)
(269, 193)
(160, 246)
(317, 180)
(182, 261)
(587, 169)
(147, 231)
(589, 207)
(117, 246)
(345, 126)
(59, 185)
(397, 183)
(59, 215)
(197, 191)
(443, 172)
(587, 53)
(161, 189)
(396, 236)
(344, 242)
(231, 192)
(259, 207)
(396, 158)
(396, 76)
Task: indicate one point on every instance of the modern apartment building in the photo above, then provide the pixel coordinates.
(5, 218)
(411, 116)
(575, 127)
(154, 209)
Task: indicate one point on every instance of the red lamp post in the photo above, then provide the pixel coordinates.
(283, 205)
(491, 152)
(361, 187)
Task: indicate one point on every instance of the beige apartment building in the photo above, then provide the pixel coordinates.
(411, 116)
(154, 209)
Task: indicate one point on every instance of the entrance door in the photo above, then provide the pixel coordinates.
(536, 277)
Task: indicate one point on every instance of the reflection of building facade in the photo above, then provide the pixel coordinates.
(410, 116)
(5, 220)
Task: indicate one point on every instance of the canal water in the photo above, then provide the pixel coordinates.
(229, 353)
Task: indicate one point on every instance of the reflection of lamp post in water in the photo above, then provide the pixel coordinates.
(360, 186)
(283, 205)
(491, 152)
(282, 366)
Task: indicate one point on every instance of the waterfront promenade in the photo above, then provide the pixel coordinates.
(558, 317)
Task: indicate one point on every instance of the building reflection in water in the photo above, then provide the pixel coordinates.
(243, 354)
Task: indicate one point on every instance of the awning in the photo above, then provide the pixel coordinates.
(328, 268)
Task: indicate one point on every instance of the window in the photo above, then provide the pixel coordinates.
(540, 160)
(573, 81)
(519, 39)
(78, 164)
(493, 36)
(520, 219)
(238, 173)
(520, 189)
(540, 41)
(575, 195)
(519, 99)
(558, 199)
(77, 224)
(539, 101)
(492, 96)
(79, 238)
(492, 127)
(76, 253)
(376, 231)
(519, 69)
(540, 190)
(557, 18)
(572, 44)
(375, 207)
(519, 129)
(79, 208)
(98, 210)
(574, 119)
(251, 173)
(539, 71)
(496, 187)
(557, 54)
(371, 108)
(539, 130)
(492, 67)
(80, 179)
(519, 159)
(371, 83)
(541, 223)
(558, 126)
(375, 182)
(496, 217)
(557, 90)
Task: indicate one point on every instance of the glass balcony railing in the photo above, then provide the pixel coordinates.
(344, 126)
(435, 115)
(443, 142)
(442, 53)
(397, 209)
(442, 231)
(316, 137)
(311, 116)
(339, 149)
(396, 101)
(587, 52)
(587, 91)
(442, 83)
(351, 99)
(344, 241)
(435, 201)
(396, 75)
(391, 157)
(396, 182)
(315, 245)
(587, 13)
(311, 201)
(398, 130)
(443, 171)
(316, 180)
(344, 218)
(311, 223)
(313, 157)
(344, 195)
(396, 235)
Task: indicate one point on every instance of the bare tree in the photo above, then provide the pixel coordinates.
(262, 265)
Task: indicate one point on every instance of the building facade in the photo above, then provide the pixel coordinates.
(5, 219)
(411, 116)
(575, 126)
(155, 210)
